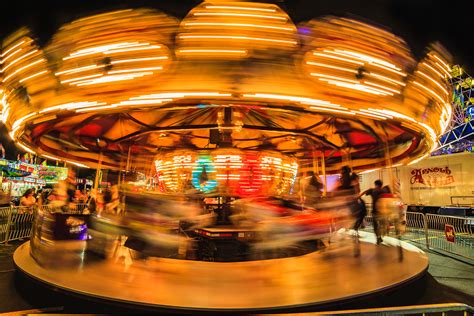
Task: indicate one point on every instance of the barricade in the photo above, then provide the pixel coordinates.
(448, 233)
(15, 223)
(5, 217)
(451, 233)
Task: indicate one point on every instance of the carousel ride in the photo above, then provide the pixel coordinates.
(231, 104)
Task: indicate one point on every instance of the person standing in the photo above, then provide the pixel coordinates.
(28, 198)
(376, 192)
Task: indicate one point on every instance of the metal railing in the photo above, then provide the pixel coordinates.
(448, 233)
(432, 309)
(17, 222)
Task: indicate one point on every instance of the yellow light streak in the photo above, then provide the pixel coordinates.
(338, 58)
(332, 67)
(434, 81)
(26, 148)
(81, 78)
(247, 38)
(239, 8)
(111, 78)
(103, 49)
(281, 28)
(333, 77)
(12, 48)
(71, 106)
(50, 157)
(18, 59)
(80, 69)
(356, 86)
(430, 91)
(214, 51)
(133, 49)
(418, 159)
(342, 111)
(181, 95)
(434, 70)
(448, 74)
(76, 164)
(134, 69)
(375, 112)
(11, 55)
(271, 17)
(120, 61)
(369, 59)
(442, 62)
(372, 74)
(369, 114)
(33, 76)
(22, 68)
(382, 87)
(303, 100)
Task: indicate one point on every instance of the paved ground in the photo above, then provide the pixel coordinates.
(448, 280)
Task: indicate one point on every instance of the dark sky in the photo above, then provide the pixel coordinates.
(419, 22)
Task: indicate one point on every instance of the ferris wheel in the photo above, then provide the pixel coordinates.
(460, 134)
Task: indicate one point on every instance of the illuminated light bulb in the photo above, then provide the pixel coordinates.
(430, 91)
(332, 67)
(26, 148)
(22, 68)
(120, 61)
(247, 38)
(282, 28)
(5, 53)
(81, 78)
(33, 76)
(80, 69)
(382, 87)
(434, 81)
(18, 59)
(369, 114)
(271, 17)
(372, 74)
(213, 51)
(134, 69)
(432, 69)
(239, 8)
(338, 58)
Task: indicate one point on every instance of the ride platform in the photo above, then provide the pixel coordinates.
(317, 279)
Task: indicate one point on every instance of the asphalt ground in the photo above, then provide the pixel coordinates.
(449, 280)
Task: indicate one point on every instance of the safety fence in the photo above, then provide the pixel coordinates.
(448, 233)
(432, 310)
(17, 222)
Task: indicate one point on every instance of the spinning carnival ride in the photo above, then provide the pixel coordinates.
(234, 100)
(138, 84)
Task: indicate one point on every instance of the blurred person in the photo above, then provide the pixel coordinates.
(376, 192)
(28, 198)
(312, 188)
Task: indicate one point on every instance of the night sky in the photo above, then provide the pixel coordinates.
(418, 22)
